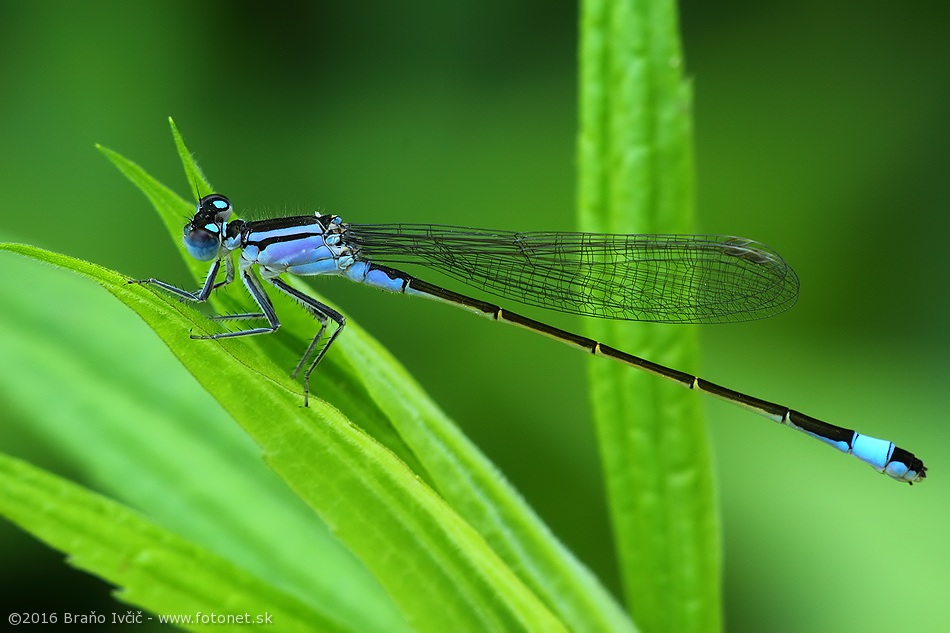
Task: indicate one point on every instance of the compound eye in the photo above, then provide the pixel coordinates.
(217, 205)
(202, 242)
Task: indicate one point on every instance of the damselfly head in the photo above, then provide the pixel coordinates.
(204, 233)
(214, 205)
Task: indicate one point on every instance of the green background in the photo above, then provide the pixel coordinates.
(821, 130)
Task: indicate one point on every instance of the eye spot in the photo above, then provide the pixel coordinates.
(216, 204)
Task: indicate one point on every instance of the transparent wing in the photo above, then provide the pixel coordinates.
(662, 278)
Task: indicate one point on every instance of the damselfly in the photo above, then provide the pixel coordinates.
(660, 278)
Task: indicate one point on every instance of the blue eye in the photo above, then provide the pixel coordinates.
(202, 243)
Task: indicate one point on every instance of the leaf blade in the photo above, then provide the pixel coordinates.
(635, 176)
(393, 408)
(145, 561)
(370, 499)
(93, 386)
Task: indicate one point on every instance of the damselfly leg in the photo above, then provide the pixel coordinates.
(324, 314)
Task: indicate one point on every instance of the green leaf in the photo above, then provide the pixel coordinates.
(153, 567)
(87, 377)
(636, 176)
(421, 551)
(360, 378)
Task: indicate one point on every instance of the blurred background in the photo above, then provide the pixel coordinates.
(821, 130)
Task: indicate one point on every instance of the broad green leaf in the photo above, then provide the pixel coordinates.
(85, 376)
(421, 552)
(636, 176)
(153, 568)
(366, 383)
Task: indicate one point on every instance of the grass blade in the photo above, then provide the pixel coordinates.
(372, 502)
(153, 568)
(360, 378)
(85, 379)
(635, 176)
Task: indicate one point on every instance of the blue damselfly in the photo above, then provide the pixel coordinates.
(659, 278)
